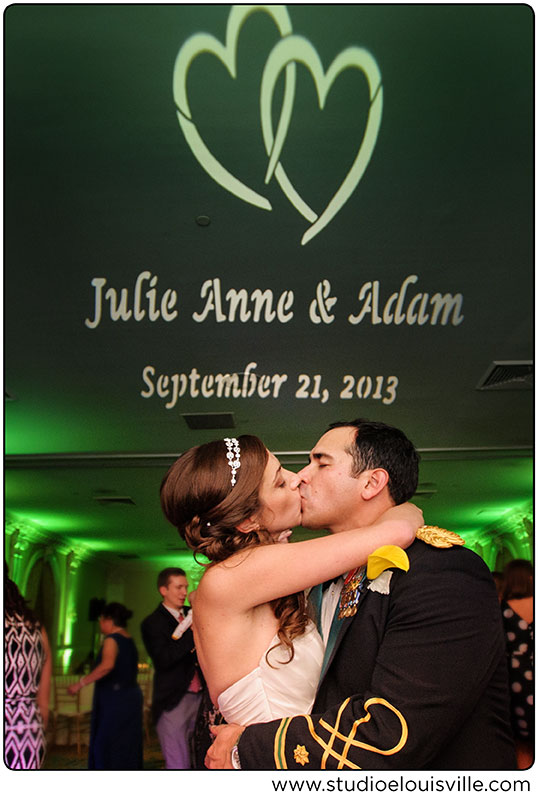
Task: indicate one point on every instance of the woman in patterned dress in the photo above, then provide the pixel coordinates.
(27, 671)
(518, 618)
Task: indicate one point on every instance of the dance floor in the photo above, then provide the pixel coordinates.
(63, 756)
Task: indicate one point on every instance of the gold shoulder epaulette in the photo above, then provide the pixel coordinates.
(438, 537)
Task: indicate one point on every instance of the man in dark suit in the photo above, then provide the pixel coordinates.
(415, 671)
(169, 641)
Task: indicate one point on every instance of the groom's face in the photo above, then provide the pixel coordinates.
(329, 493)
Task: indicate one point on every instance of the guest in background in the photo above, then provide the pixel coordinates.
(116, 723)
(177, 686)
(518, 617)
(27, 671)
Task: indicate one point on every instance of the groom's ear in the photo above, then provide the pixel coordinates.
(248, 525)
(375, 481)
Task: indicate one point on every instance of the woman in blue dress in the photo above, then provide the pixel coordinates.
(116, 723)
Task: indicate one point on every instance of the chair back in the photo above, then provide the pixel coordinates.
(63, 702)
(73, 708)
(145, 681)
(67, 705)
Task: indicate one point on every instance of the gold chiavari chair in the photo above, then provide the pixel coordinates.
(72, 708)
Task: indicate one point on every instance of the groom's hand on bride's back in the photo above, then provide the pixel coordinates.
(219, 754)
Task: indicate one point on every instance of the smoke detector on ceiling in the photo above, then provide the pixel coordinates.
(503, 375)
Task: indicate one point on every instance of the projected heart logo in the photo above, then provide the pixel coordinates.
(299, 49)
(205, 43)
(289, 51)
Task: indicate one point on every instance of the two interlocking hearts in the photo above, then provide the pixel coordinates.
(290, 50)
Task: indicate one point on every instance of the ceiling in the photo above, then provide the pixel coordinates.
(136, 202)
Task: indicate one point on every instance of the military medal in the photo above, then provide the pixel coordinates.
(349, 598)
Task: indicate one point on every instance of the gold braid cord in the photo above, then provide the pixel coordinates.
(438, 537)
(338, 744)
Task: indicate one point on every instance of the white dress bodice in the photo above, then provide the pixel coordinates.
(280, 690)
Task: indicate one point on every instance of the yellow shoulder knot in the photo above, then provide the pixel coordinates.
(438, 537)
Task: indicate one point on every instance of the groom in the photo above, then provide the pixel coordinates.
(415, 670)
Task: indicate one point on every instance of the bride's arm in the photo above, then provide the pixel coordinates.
(265, 573)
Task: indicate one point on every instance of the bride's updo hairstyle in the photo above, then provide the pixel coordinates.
(198, 498)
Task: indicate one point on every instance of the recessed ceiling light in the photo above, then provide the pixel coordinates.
(114, 501)
(212, 420)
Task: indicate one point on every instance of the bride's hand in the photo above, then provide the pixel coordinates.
(407, 513)
(219, 754)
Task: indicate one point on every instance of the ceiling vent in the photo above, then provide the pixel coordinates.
(114, 501)
(210, 421)
(508, 375)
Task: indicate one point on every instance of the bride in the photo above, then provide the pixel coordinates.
(257, 645)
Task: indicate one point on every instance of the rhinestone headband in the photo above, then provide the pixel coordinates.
(233, 454)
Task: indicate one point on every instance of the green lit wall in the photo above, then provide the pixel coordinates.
(78, 576)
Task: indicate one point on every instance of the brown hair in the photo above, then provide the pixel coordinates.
(380, 445)
(118, 613)
(517, 579)
(163, 578)
(15, 604)
(197, 497)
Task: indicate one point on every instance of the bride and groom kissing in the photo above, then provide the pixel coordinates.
(398, 663)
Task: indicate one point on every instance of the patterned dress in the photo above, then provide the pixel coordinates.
(520, 652)
(24, 741)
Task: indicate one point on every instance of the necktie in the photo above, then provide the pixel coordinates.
(195, 685)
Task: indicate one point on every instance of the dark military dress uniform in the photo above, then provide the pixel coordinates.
(416, 679)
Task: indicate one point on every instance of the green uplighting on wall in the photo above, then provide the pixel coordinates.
(23, 428)
(55, 523)
(505, 537)
(66, 658)
(183, 560)
(95, 545)
(43, 524)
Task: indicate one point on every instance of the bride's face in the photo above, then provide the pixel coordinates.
(280, 504)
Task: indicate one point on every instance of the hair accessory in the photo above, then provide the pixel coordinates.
(233, 454)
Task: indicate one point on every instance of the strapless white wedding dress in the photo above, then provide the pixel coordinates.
(280, 690)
